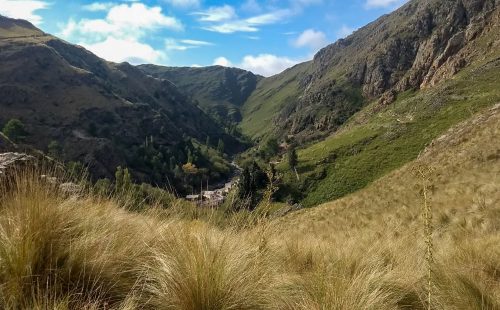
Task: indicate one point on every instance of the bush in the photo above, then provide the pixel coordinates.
(14, 130)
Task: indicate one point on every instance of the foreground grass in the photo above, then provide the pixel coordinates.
(366, 251)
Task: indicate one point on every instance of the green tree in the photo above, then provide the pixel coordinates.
(207, 142)
(123, 180)
(172, 163)
(271, 147)
(245, 184)
(76, 170)
(293, 160)
(14, 130)
(118, 178)
(220, 146)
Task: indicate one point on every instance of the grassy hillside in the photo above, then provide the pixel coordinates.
(380, 139)
(78, 107)
(419, 45)
(270, 97)
(366, 251)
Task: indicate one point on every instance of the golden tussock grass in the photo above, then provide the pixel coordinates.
(366, 251)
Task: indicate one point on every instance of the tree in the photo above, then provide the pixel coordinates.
(172, 163)
(76, 169)
(271, 147)
(190, 168)
(220, 146)
(178, 173)
(245, 184)
(123, 179)
(207, 142)
(14, 130)
(102, 187)
(293, 160)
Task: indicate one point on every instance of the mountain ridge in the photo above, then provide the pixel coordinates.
(220, 91)
(100, 113)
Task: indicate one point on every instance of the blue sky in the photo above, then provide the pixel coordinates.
(263, 36)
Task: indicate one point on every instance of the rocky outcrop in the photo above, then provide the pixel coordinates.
(419, 45)
(12, 161)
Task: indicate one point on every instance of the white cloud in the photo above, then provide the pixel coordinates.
(372, 4)
(263, 64)
(138, 15)
(196, 42)
(119, 50)
(266, 64)
(182, 45)
(249, 24)
(23, 9)
(122, 21)
(119, 35)
(216, 14)
(98, 6)
(222, 61)
(231, 27)
(345, 31)
(312, 39)
(183, 3)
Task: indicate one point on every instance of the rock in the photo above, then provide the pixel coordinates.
(417, 46)
(285, 210)
(9, 161)
(71, 189)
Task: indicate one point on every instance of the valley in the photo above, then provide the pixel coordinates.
(365, 178)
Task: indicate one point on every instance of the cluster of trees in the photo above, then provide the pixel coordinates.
(185, 164)
(134, 196)
(253, 180)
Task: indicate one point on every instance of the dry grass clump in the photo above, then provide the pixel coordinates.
(63, 252)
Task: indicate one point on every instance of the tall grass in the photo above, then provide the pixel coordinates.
(81, 251)
(63, 252)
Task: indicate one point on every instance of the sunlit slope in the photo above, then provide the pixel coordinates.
(381, 138)
(271, 96)
(462, 168)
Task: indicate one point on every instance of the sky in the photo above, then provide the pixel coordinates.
(262, 36)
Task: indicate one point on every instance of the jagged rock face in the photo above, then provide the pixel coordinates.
(417, 46)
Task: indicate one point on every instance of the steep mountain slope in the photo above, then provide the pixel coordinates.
(461, 170)
(219, 91)
(415, 47)
(371, 123)
(382, 226)
(379, 139)
(17, 28)
(102, 114)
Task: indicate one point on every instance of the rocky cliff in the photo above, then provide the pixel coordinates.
(417, 46)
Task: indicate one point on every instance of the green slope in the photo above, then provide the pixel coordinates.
(373, 143)
(270, 97)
